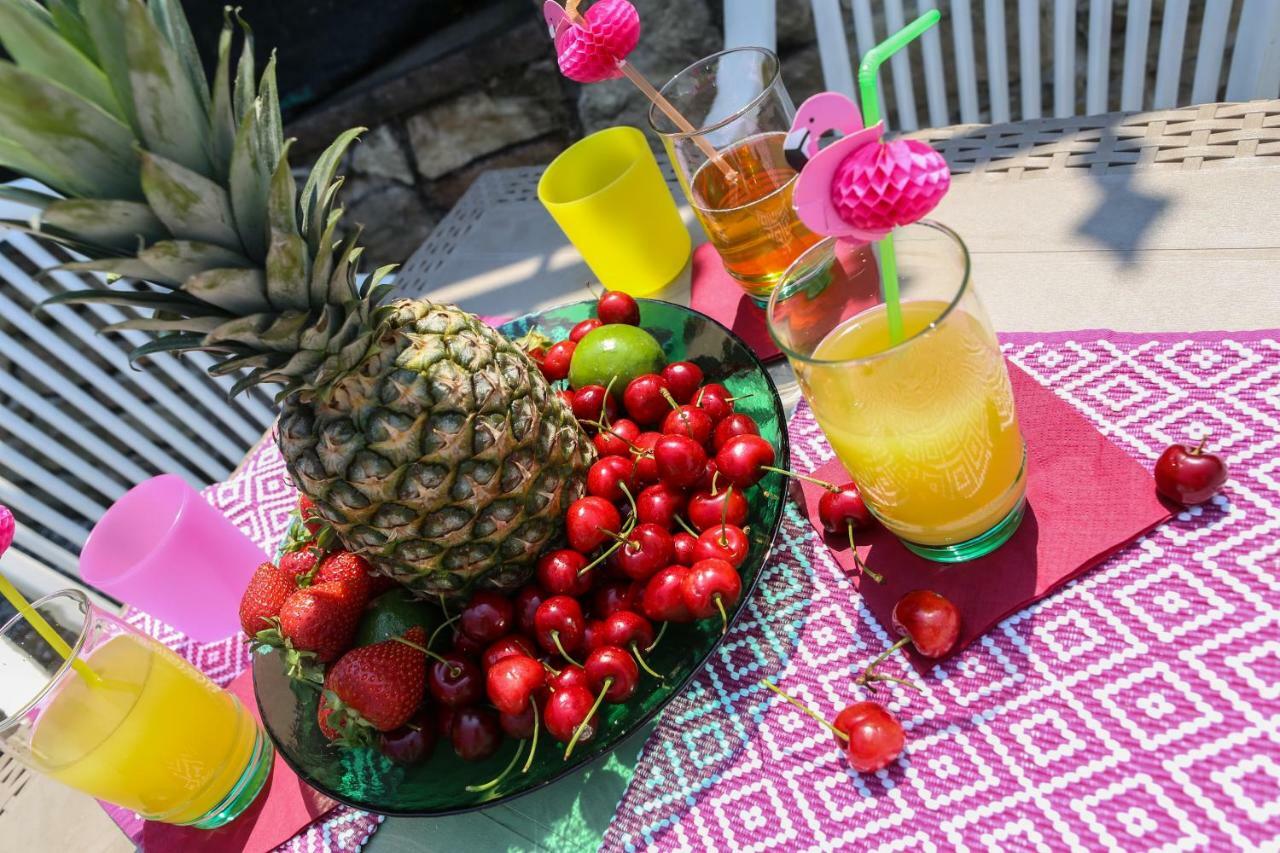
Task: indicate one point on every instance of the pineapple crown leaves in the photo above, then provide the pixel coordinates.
(161, 175)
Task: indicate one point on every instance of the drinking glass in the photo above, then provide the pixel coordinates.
(162, 548)
(153, 734)
(926, 426)
(739, 107)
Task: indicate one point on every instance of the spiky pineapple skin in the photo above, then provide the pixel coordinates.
(444, 458)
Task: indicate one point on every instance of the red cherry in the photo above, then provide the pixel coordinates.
(571, 676)
(688, 421)
(412, 743)
(526, 602)
(682, 548)
(444, 721)
(513, 681)
(743, 458)
(734, 424)
(709, 478)
(455, 681)
(608, 475)
(715, 400)
(839, 509)
(683, 379)
(1188, 475)
(487, 617)
(559, 572)
(617, 307)
(566, 397)
(646, 468)
(643, 399)
(614, 595)
(512, 644)
(626, 629)
(586, 327)
(659, 504)
(709, 587)
(591, 401)
(464, 644)
(566, 710)
(680, 460)
(617, 439)
(613, 671)
(929, 620)
(707, 510)
(519, 726)
(726, 542)
(663, 600)
(558, 625)
(475, 733)
(555, 364)
(591, 635)
(589, 522)
(647, 549)
(875, 736)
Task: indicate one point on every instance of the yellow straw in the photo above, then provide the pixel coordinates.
(44, 629)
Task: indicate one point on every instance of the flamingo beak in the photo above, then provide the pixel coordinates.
(793, 148)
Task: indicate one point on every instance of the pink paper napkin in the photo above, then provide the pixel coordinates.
(719, 295)
(1086, 499)
(286, 806)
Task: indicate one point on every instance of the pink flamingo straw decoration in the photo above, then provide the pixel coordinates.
(592, 47)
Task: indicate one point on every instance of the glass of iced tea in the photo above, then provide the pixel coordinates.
(740, 110)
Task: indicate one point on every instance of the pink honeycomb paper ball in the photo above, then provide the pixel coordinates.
(590, 53)
(7, 527)
(880, 187)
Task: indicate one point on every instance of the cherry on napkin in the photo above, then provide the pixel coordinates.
(1086, 499)
(720, 296)
(286, 805)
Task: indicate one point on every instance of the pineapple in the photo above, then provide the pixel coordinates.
(433, 445)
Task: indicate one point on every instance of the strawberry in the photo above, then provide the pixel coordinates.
(301, 564)
(263, 597)
(317, 623)
(310, 515)
(375, 688)
(348, 568)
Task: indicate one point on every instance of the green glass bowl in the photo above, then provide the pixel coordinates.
(366, 780)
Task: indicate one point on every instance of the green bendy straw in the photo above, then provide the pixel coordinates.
(867, 72)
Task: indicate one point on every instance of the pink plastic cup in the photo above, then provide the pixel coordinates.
(163, 549)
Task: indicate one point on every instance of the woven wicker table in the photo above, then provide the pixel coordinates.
(1145, 222)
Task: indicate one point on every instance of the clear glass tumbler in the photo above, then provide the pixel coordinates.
(926, 425)
(740, 109)
(148, 731)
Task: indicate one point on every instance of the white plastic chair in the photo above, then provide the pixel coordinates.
(78, 427)
(1253, 72)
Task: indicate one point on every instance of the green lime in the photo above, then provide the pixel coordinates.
(394, 612)
(616, 352)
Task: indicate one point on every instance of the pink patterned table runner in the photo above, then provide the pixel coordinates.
(1138, 708)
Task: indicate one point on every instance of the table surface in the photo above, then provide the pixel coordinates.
(1161, 221)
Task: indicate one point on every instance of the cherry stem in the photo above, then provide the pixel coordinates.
(598, 560)
(635, 650)
(657, 639)
(431, 641)
(672, 400)
(493, 783)
(857, 561)
(701, 391)
(904, 682)
(1199, 448)
(630, 499)
(715, 479)
(830, 487)
(533, 748)
(577, 733)
(687, 529)
(636, 449)
(454, 669)
(604, 405)
(803, 707)
(724, 617)
(724, 514)
(869, 671)
(555, 638)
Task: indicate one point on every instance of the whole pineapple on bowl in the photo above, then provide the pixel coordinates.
(433, 445)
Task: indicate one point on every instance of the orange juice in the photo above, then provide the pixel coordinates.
(928, 431)
(156, 736)
(750, 220)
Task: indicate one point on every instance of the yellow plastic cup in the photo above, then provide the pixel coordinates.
(609, 198)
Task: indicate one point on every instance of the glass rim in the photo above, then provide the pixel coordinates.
(824, 244)
(57, 675)
(774, 76)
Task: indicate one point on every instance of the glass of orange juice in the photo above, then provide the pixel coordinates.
(739, 108)
(925, 425)
(152, 734)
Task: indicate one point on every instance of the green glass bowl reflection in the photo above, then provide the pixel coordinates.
(366, 780)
